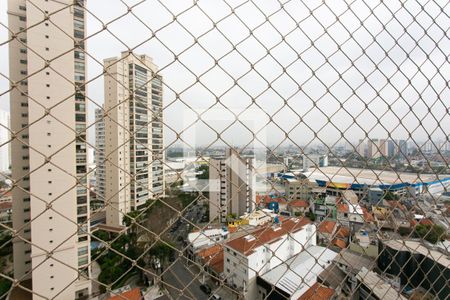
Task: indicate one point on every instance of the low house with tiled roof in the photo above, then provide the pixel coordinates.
(341, 238)
(339, 243)
(298, 207)
(134, 294)
(368, 217)
(262, 250)
(326, 231)
(342, 212)
(277, 204)
(318, 292)
(211, 259)
(343, 233)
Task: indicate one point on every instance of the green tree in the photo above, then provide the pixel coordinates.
(5, 285)
(5, 243)
(311, 216)
(431, 233)
(204, 169)
(391, 196)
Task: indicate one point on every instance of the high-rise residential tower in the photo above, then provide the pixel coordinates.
(361, 148)
(377, 148)
(5, 146)
(133, 135)
(100, 155)
(231, 186)
(48, 117)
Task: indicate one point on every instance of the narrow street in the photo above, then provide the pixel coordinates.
(181, 278)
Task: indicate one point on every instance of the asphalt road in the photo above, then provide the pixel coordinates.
(181, 278)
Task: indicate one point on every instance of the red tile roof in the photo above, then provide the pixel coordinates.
(317, 292)
(343, 232)
(216, 262)
(258, 199)
(340, 243)
(327, 227)
(207, 252)
(342, 207)
(267, 234)
(279, 200)
(134, 294)
(367, 215)
(426, 221)
(299, 203)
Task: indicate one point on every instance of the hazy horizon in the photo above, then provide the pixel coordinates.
(314, 84)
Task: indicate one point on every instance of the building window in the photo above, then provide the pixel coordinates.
(22, 18)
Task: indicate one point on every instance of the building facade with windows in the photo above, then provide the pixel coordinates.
(100, 155)
(231, 186)
(48, 117)
(377, 148)
(134, 170)
(5, 146)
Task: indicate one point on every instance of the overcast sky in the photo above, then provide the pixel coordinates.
(300, 63)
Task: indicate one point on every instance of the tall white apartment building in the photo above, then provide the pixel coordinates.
(377, 148)
(133, 135)
(361, 148)
(48, 117)
(5, 146)
(100, 171)
(231, 186)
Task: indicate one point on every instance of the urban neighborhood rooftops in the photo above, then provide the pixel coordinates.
(317, 292)
(134, 294)
(354, 260)
(327, 227)
(418, 247)
(367, 176)
(377, 286)
(342, 208)
(267, 234)
(299, 273)
(299, 203)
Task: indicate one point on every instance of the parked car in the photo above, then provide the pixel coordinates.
(216, 297)
(205, 288)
